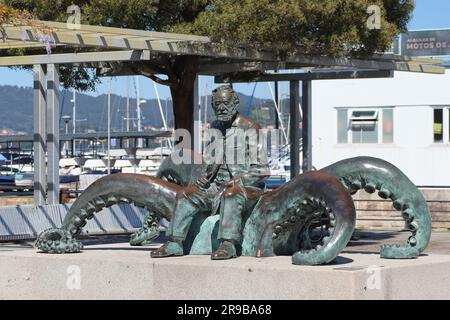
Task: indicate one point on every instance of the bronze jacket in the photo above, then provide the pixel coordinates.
(243, 155)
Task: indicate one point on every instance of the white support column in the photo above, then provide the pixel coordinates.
(39, 137)
(197, 123)
(53, 133)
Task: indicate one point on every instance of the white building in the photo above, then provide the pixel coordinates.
(404, 120)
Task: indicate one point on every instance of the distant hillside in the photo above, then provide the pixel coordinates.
(16, 109)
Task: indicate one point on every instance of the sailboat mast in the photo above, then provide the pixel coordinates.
(206, 105)
(161, 111)
(128, 105)
(278, 113)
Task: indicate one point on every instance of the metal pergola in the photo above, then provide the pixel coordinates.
(99, 47)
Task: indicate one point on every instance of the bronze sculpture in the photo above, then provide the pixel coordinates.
(311, 218)
(231, 187)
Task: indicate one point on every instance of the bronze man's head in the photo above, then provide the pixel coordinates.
(225, 103)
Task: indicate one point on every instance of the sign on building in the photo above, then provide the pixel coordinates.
(426, 43)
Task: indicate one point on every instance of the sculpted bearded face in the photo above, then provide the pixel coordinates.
(225, 103)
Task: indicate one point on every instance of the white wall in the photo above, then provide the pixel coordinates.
(411, 95)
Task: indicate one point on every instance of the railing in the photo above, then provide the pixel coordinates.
(26, 222)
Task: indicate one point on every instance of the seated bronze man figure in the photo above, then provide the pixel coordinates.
(234, 188)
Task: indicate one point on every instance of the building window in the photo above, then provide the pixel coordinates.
(438, 125)
(441, 125)
(365, 126)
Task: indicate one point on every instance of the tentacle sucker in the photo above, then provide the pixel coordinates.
(367, 173)
(271, 230)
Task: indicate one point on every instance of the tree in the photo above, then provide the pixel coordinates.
(12, 16)
(324, 27)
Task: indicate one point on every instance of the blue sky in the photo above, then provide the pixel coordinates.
(429, 14)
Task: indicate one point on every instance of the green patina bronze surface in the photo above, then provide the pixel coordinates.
(311, 218)
(373, 175)
(221, 209)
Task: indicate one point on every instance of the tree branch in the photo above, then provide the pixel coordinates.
(151, 68)
(155, 78)
(151, 75)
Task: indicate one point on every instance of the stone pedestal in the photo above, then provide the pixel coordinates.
(118, 271)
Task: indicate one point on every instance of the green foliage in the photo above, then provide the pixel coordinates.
(328, 27)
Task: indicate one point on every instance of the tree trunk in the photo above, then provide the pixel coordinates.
(185, 70)
(183, 106)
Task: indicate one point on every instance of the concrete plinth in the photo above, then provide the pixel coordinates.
(118, 271)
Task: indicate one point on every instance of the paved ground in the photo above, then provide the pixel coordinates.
(368, 242)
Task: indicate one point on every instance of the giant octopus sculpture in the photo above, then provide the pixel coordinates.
(311, 218)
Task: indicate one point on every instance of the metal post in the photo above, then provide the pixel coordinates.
(128, 110)
(306, 125)
(109, 126)
(197, 124)
(53, 133)
(138, 110)
(294, 88)
(74, 122)
(205, 120)
(277, 99)
(74, 110)
(39, 138)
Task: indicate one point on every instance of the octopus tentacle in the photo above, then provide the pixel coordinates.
(149, 230)
(143, 191)
(372, 174)
(180, 174)
(280, 221)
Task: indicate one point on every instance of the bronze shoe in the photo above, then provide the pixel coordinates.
(168, 249)
(225, 251)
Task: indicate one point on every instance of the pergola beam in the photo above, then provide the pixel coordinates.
(324, 61)
(170, 43)
(73, 58)
(223, 68)
(97, 40)
(401, 58)
(306, 76)
(124, 31)
(15, 44)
